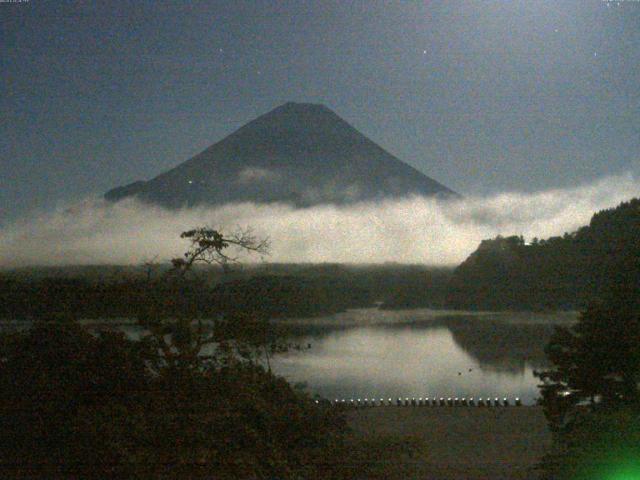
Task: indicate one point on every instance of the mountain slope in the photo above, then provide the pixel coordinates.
(559, 273)
(299, 153)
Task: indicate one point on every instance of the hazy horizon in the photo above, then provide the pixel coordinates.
(415, 230)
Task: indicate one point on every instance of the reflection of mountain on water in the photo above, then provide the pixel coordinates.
(497, 343)
(501, 346)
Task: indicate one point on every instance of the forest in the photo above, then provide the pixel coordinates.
(277, 290)
(559, 273)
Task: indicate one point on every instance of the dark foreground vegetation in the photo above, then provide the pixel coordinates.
(187, 400)
(591, 395)
(77, 405)
(558, 273)
(192, 398)
(80, 405)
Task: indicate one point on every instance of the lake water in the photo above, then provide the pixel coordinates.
(371, 353)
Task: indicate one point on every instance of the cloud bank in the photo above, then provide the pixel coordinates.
(413, 230)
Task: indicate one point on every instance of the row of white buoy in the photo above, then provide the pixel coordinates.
(425, 402)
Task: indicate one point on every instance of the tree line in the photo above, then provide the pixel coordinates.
(277, 290)
(562, 272)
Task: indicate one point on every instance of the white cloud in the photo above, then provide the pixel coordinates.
(254, 174)
(414, 230)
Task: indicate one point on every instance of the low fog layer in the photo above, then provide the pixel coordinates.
(414, 230)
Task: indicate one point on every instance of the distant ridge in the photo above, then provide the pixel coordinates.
(298, 153)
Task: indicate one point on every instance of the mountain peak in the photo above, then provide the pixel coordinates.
(300, 153)
(300, 112)
(303, 107)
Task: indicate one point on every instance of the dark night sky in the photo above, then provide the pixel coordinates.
(484, 96)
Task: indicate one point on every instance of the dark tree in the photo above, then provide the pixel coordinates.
(591, 395)
(209, 246)
(189, 400)
(51, 374)
(597, 360)
(184, 340)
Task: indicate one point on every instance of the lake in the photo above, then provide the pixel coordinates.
(371, 353)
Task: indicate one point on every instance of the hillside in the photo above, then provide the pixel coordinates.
(557, 273)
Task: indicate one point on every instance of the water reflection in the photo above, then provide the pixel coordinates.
(387, 354)
(420, 353)
(500, 345)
